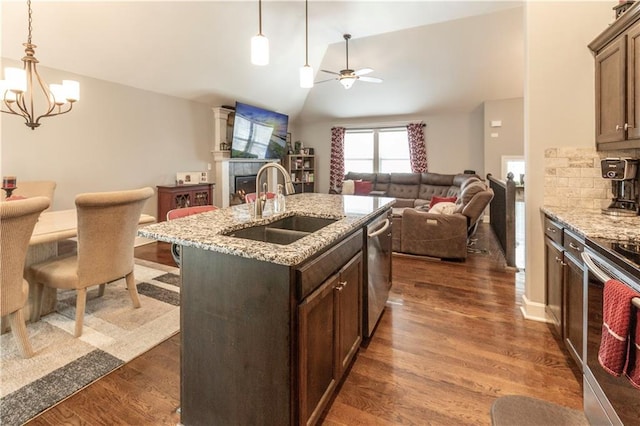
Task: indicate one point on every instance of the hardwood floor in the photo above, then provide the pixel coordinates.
(452, 339)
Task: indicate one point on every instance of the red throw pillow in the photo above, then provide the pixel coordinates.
(363, 187)
(435, 200)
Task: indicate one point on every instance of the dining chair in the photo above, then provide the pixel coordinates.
(183, 212)
(251, 197)
(17, 220)
(107, 228)
(34, 188)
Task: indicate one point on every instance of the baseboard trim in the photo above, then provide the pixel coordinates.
(533, 311)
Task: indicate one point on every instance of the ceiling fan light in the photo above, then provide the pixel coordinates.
(347, 82)
(259, 50)
(306, 77)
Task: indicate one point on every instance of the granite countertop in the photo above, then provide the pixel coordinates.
(594, 224)
(206, 230)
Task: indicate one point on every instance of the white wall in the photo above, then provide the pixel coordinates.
(115, 138)
(510, 135)
(559, 108)
(454, 141)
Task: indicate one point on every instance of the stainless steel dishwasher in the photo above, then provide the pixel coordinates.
(377, 270)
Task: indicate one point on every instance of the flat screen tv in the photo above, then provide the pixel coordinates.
(258, 133)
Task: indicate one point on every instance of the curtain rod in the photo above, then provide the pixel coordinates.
(380, 126)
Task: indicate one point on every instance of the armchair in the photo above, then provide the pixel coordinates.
(445, 235)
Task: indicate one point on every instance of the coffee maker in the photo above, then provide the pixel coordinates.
(624, 184)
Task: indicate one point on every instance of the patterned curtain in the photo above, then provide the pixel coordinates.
(417, 148)
(336, 172)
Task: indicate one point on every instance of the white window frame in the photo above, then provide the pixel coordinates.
(376, 151)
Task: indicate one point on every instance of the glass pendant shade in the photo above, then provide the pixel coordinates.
(16, 79)
(71, 90)
(259, 50)
(306, 77)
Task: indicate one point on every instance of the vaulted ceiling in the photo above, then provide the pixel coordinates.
(434, 56)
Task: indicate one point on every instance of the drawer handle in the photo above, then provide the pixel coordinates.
(558, 259)
(551, 230)
(573, 246)
(341, 285)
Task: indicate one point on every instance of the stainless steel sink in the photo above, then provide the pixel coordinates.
(283, 231)
(301, 223)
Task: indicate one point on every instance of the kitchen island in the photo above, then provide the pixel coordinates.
(269, 330)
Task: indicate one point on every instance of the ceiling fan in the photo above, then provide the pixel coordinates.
(347, 76)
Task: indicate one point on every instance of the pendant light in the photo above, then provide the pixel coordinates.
(306, 72)
(21, 88)
(259, 43)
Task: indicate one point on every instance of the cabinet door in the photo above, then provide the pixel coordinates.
(573, 309)
(317, 365)
(349, 302)
(553, 283)
(610, 92)
(633, 89)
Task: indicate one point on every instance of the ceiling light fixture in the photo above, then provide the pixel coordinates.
(347, 81)
(306, 72)
(259, 43)
(18, 87)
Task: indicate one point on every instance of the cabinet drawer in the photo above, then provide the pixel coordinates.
(573, 245)
(315, 272)
(552, 230)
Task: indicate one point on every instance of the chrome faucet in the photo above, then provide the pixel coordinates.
(288, 186)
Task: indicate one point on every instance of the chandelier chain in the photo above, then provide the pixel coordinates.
(30, 22)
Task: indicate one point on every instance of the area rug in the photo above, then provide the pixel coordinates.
(113, 334)
(517, 410)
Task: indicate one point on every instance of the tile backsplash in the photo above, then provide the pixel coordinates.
(572, 177)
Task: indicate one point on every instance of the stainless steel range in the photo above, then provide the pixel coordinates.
(608, 400)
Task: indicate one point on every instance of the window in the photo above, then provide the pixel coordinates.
(376, 150)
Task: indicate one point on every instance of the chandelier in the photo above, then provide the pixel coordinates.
(20, 86)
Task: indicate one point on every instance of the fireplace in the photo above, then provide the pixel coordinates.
(245, 183)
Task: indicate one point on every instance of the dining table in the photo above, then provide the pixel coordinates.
(51, 228)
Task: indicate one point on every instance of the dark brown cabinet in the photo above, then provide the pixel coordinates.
(330, 333)
(573, 308)
(177, 196)
(617, 59)
(264, 343)
(564, 286)
(553, 284)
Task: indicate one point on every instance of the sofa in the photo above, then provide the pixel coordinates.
(418, 226)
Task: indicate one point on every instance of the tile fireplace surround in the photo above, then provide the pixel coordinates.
(226, 172)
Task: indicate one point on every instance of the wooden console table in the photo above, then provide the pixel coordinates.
(177, 196)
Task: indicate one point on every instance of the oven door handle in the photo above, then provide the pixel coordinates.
(602, 276)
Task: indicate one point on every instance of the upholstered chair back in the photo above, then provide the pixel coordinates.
(17, 220)
(107, 228)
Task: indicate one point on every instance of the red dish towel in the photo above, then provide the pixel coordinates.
(633, 366)
(616, 320)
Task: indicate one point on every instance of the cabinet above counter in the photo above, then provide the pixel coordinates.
(206, 231)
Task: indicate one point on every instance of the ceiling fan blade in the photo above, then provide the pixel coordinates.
(324, 81)
(330, 72)
(370, 79)
(363, 71)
